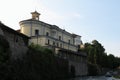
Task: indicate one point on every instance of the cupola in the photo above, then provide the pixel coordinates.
(35, 15)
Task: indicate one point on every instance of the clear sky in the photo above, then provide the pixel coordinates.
(92, 19)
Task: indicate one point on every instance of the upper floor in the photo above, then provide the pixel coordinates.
(35, 27)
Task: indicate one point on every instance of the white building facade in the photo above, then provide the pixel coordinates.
(48, 35)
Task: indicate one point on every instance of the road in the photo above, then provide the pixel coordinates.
(95, 78)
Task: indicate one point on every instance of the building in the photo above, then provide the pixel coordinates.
(18, 42)
(59, 40)
(48, 35)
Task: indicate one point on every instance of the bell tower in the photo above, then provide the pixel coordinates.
(35, 15)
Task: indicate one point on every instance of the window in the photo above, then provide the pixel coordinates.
(61, 45)
(69, 41)
(16, 39)
(57, 44)
(59, 37)
(53, 43)
(47, 34)
(48, 41)
(36, 32)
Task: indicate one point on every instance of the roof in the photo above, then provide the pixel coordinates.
(75, 35)
(4, 27)
(18, 30)
(35, 13)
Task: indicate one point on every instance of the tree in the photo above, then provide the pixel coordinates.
(95, 52)
(96, 56)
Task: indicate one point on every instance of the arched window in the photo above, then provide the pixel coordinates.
(36, 32)
(47, 34)
(59, 37)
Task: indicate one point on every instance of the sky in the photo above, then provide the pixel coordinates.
(92, 19)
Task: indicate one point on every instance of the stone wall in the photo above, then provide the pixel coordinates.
(77, 62)
(1, 32)
(80, 68)
(17, 41)
(17, 44)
